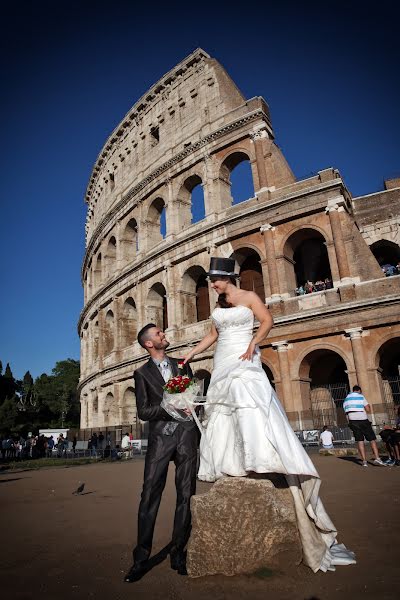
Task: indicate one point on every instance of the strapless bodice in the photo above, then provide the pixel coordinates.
(238, 318)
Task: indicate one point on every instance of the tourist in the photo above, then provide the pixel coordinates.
(356, 408)
(326, 438)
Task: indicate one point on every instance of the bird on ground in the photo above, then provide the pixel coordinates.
(79, 490)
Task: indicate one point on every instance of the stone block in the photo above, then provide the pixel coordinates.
(241, 525)
(338, 451)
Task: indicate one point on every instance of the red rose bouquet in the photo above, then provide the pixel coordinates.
(179, 395)
(178, 384)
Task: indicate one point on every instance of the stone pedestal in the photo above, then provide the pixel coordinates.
(241, 525)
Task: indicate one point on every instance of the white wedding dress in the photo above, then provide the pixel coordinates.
(246, 429)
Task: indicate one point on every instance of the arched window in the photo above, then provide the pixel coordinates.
(109, 332)
(387, 254)
(128, 322)
(97, 272)
(191, 201)
(236, 179)
(129, 242)
(110, 413)
(95, 337)
(323, 376)
(128, 408)
(195, 297)
(389, 372)
(307, 262)
(156, 224)
(156, 306)
(251, 277)
(110, 257)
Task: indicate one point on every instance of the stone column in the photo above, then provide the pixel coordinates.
(355, 335)
(118, 248)
(268, 234)
(337, 233)
(286, 385)
(171, 298)
(260, 161)
(170, 210)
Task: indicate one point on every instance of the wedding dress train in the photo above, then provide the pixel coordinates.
(246, 429)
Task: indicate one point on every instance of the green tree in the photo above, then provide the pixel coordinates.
(57, 395)
(9, 414)
(8, 385)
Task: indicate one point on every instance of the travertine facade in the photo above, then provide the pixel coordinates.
(161, 202)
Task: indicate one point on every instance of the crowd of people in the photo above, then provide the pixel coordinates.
(310, 286)
(34, 446)
(14, 447)
(389, 269)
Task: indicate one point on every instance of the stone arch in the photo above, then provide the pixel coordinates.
(191, 201)
(95, 337)
(155, 223)
(194, 295)
(156, 306)
(110, 257)
(203, 375)
(251, 277)
(306, 259)
(95, 409)
(110, 413)
(236, 188)
(129, 241)
(128, 322)
(324, 384)
(386, 252)
(109, 332)
(98, 275)
(387, 361)
(128, 407)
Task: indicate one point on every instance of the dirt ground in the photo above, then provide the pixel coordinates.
(59, 546)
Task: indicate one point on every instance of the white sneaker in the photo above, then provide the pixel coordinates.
(380, 462)
(365, 464)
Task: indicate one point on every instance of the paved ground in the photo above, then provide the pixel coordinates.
(58, 546)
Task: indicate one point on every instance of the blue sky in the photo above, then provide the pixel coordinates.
(71, 70)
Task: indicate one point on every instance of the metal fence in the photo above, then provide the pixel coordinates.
(327, 404)
(391, 396)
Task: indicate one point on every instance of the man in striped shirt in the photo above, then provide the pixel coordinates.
(356, 408)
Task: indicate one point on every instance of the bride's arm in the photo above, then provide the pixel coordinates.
(207, 341)
(264, 317)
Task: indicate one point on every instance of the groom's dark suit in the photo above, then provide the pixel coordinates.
(163, 446)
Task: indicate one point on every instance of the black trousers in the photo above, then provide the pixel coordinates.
(181, 447)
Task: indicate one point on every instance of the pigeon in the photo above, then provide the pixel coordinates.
(79, 490)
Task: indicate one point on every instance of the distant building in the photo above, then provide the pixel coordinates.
(163, 198)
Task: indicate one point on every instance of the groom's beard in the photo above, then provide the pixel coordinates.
(162, 345)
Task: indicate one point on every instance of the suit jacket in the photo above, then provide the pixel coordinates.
(149, 392)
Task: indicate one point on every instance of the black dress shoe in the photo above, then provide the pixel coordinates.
(136, 572)
(178, 561)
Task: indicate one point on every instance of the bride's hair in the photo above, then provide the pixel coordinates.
(222, 301)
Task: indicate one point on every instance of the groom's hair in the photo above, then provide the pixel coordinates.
(143, 334)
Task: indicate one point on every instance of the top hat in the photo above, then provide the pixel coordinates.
(222, 266)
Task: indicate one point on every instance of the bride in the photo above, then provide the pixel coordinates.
(245, 428)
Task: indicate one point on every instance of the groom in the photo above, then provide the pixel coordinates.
(168, 440)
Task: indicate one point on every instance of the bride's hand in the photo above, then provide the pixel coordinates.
(248, 355)
(187, 358)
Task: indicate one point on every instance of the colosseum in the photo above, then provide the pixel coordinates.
(193, 171)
